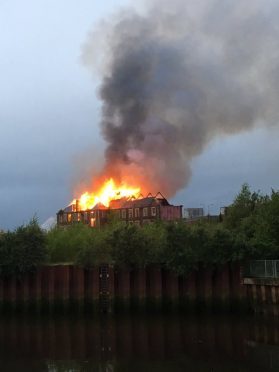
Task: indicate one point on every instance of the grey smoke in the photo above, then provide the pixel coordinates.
(177, 76)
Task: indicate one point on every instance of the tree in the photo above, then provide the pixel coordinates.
(244, 205)
(265, 239)
(180, 255)
(129, 246)
(98, 252)
(23, 250)
(64, 244)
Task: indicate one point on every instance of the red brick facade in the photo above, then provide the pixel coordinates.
(131, 211)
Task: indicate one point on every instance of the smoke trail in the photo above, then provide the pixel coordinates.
(177, 76)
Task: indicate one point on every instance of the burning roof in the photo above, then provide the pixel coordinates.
(118, 203)
(107, 192)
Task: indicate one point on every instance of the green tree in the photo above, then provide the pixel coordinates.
(22, 250)
(155, 238)
(129, 246)
(99, 250)
(265, 237)
(245, 204)
(220, 246)
(180, 255)
(64, 244)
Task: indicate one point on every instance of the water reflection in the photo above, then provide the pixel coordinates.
(130, 343)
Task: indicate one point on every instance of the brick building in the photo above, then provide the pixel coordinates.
(133, 211)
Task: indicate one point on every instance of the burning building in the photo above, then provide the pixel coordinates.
(130, 209)
(172, 81)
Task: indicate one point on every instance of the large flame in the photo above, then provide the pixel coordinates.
(108, 191)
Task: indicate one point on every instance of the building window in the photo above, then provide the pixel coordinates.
(130, 222)
(60, 218)
(137, 212)
(92, 214)
(146, 221)
(145, 212)
(137, 222)
(123, 213)
(78, 217)
(130, 213)
(153, 211)
(69, 216)
(92, 222)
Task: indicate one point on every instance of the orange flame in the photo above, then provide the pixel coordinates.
(109, 191)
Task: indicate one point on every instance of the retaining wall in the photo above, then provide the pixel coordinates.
(263, 295)
(106, 287)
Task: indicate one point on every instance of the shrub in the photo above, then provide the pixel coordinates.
(22, 250)
(179, 254)
(97, 252)
(155, 238)
(129, 246)
(64, 244)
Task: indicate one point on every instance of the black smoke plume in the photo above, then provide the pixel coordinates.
(176, 76)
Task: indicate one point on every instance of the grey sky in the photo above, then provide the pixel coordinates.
(49, 114)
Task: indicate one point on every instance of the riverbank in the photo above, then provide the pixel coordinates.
(107, 289)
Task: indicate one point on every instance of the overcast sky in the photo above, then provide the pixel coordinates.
(49, 114)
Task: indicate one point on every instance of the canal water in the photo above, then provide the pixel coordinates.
(139, 343)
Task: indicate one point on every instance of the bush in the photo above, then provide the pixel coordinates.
(179, 254)
(98, 252)
(262, 229)
(254, 221)
(22, 250)
(65, 244)
(220, 246)
(125, 246)
(155, 237)
(129, 246)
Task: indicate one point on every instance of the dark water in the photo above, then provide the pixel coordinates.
(134, 343)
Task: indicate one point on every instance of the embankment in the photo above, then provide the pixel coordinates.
(107, 288)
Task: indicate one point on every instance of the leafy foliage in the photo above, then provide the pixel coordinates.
(97, 252)
(22, 250)
(129, 246)
(254, 220)
(64, 244)
(180, 254)
(250, 230)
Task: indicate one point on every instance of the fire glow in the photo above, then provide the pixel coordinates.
(107, 192)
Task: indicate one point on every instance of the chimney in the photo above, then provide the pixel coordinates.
(77, 205)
